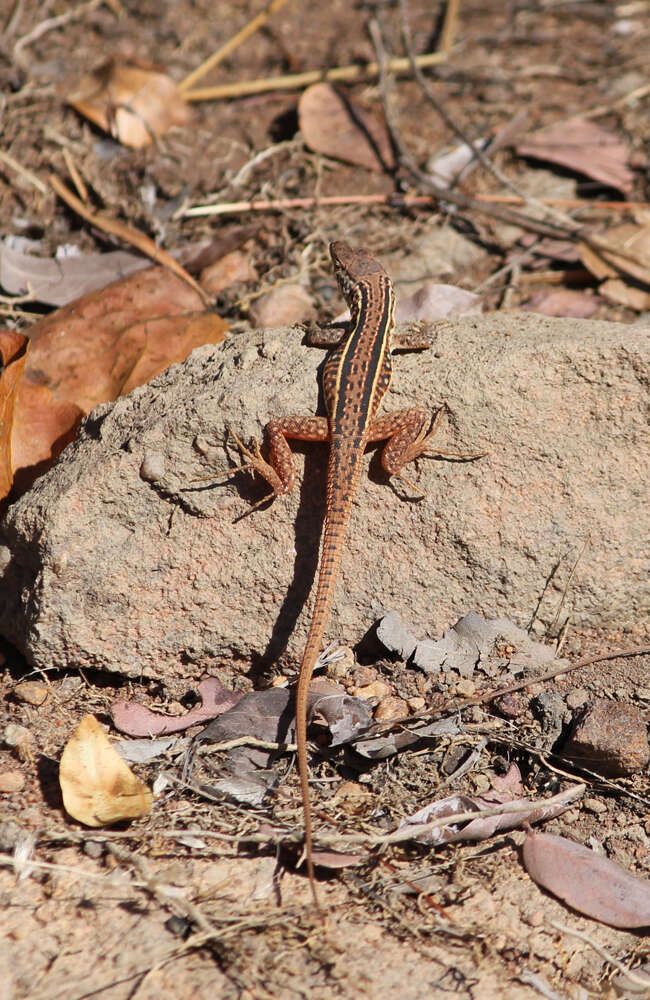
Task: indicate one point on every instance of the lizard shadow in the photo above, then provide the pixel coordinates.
(307, 534)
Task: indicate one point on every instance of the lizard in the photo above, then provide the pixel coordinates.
(356, 376)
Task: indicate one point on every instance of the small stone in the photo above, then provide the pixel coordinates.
(609, 737)
(465, 688)
(343, 664)
(93, 849)
(511, 705)
(11, 781)
(594, 806)
(17, 736)
(231, 269)
(152, 467)
(416, 704)
(365, 675)
(378, 689)
(280, 681)
(389, 708)
(32, 692)
(577, 698)
(285, 305)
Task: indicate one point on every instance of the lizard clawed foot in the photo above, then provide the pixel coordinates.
(420, 494)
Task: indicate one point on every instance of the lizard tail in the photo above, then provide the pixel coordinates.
(334, 534)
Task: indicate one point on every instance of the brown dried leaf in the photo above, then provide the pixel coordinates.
(134, 103)
(588, 882)
(617, 290)
(623, 249)
(14, 362)
(585, 147)
(43, 426)
(333, 124)
(98, 787)
(89, 352)
(138, 720)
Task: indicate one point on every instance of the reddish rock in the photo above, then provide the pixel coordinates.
(610, 738)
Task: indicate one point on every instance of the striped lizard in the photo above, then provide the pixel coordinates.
(356, 375)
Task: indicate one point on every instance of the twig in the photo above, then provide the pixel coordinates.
(50, 24)
(449, 26)
(23, 171)
(231, 45)
(606, 955)
(126, 233)
(77, 179)
(445, 194)
(393, 201)
(295, 81)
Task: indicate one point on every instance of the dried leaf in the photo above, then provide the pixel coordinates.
(346, 717)
(98, 787)
(138, 720)
(585, 147)
(14, 362)
(562, 302)
(434, 301)
(57, 281)
(89, 352)
(623, 249)
(618, 290)
(134, 103)
(333, 124)
(588, 882)
(337, 859)
(515, 813)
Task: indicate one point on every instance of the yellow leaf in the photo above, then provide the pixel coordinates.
(98, 787)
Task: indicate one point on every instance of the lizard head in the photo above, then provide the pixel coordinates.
(353, 266)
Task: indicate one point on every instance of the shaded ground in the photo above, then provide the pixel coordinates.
(142, 911)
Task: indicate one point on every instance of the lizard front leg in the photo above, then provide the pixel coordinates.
(279, 471)
(407, 434)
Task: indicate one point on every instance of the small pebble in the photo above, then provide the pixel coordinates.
(11, 781)
(465, 688)
(416, 704)
(17, 736)
(378, 689)
(594, 806)
(342, 665)
(93, 849)
(32, 692)
(389, 708)
(577, 698)
(231, 269)
(152, 467)
(365, 675)
(285, 305)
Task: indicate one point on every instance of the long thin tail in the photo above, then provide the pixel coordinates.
(333, 540)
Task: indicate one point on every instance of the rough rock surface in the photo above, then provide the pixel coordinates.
(119, 559)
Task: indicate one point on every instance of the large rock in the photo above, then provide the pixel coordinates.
(119, 559)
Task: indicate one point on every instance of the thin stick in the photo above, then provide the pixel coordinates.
(126, 233)
(77, 179)
(23, 171)
(295, 81)
(449, 26)
(230, 46)
(396, 201)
